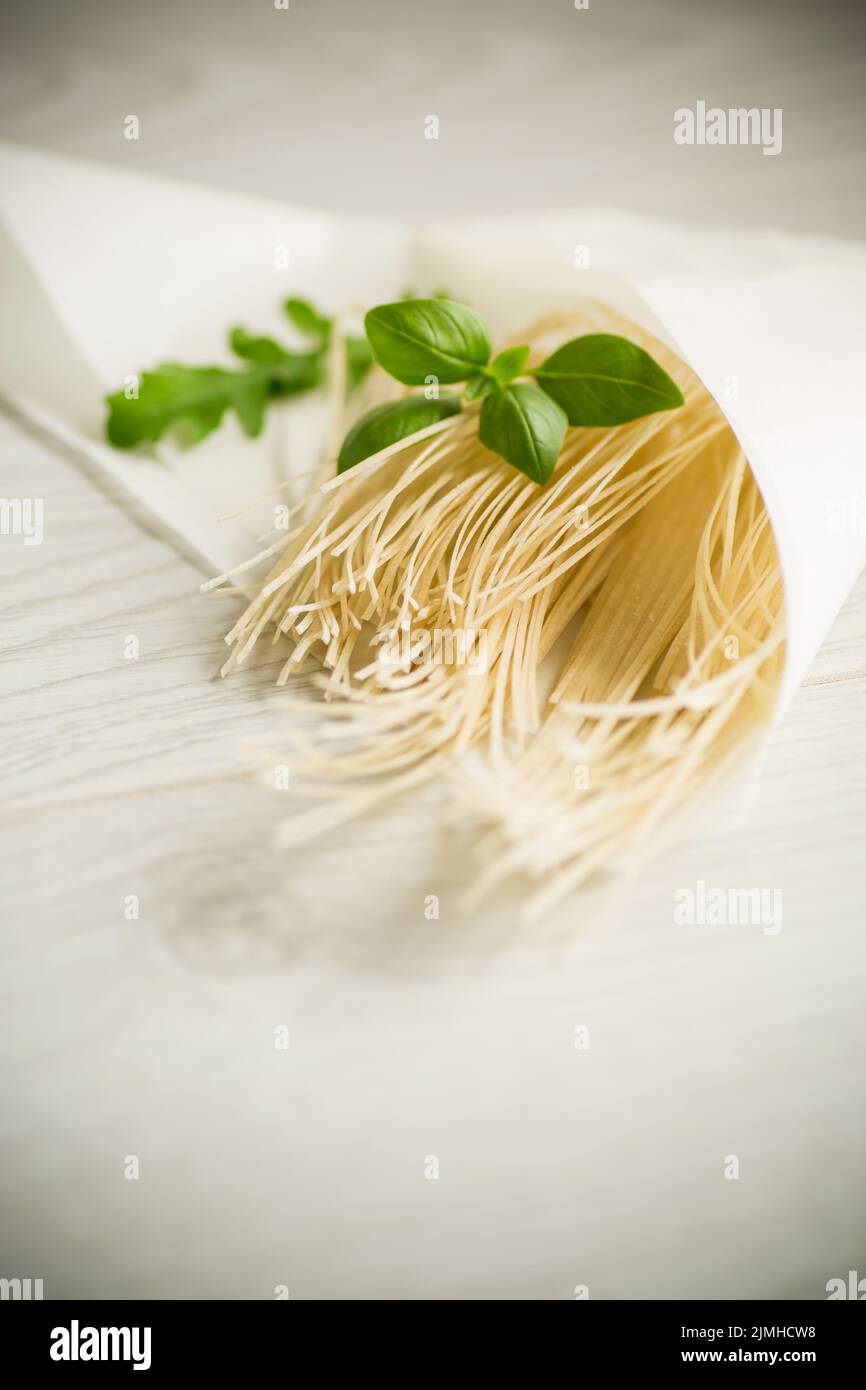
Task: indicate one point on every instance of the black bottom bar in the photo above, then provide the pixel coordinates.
(161, 1338)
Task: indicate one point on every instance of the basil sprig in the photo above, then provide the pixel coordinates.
(595, 380)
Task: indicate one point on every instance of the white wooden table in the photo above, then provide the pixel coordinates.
(306, 1166)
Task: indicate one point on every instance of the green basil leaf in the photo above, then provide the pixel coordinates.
(417, 338)
(526, 427)
(307, 319)
(387, 423)
(602, 379)
(480, 385)
(190, 400)
(509, 363)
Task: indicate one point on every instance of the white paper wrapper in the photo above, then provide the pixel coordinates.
(104, 272)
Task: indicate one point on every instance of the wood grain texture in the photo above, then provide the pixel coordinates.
(407, 1038)
(541, 105)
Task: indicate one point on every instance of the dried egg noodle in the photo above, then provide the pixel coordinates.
(647, 560)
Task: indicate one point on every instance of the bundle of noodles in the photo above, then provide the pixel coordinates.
(433, 586)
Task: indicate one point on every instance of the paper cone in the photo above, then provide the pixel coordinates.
(107, 271)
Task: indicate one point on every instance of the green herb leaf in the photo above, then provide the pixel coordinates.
(480, 385)
(417, 338)
(602, 379)
(526, 427)
(410, 293)
(264, 351)
(191, 400)
(308, 320)
(359, 360)
(290, 371)
(509, 363)
(388, 423)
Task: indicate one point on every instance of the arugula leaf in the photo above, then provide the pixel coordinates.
(603, 379)
(290, 371)
(509, 363)
(192, 400)
(308, 320)
(359, 360)
(417, 338)
(526, 427)
(387, 423)
(265, 351)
